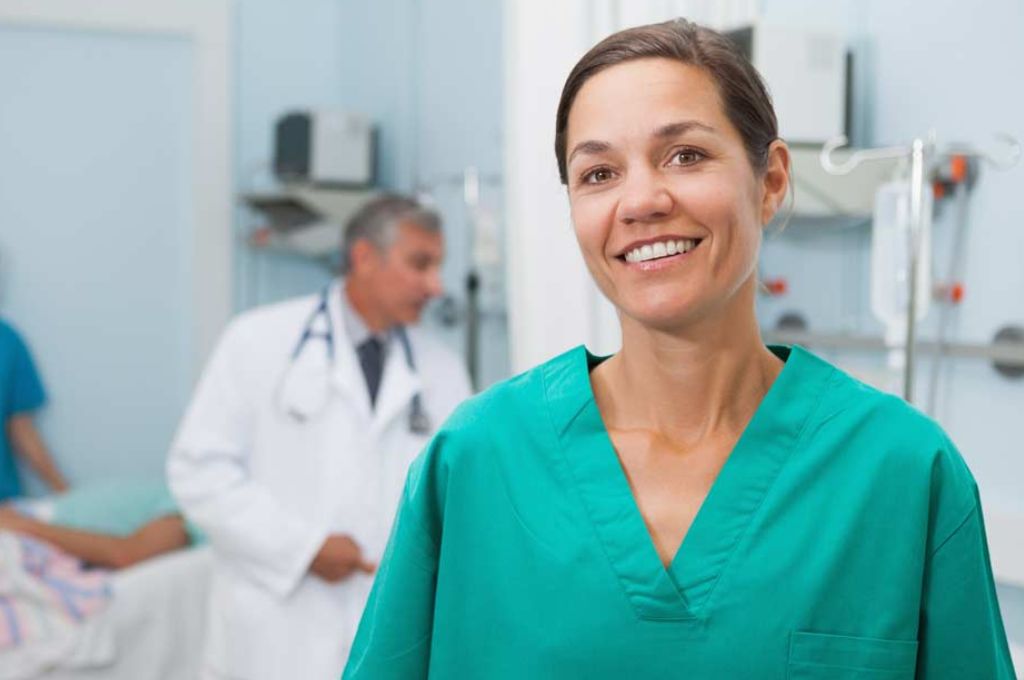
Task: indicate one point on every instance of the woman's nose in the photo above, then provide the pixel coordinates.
(645, 198)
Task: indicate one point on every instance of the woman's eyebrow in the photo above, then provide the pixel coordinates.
(590, 146)
(593, 146)
(681, 127)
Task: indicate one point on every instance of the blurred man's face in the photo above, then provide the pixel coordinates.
(407, 275)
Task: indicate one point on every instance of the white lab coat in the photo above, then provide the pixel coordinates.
(268, 490)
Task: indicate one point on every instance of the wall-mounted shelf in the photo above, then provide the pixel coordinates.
(831, 201)
(305, 220)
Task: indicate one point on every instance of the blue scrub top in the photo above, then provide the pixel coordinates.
(20, 390)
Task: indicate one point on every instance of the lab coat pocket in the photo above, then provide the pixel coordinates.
(815, 656)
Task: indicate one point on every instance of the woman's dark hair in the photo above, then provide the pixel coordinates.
(744, 94)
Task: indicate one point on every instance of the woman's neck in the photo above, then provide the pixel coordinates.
(688, 385)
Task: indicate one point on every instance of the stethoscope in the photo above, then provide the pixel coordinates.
(419, 421)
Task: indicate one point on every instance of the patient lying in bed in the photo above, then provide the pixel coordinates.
(112, 524)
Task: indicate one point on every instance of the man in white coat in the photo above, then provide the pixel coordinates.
(293, 452)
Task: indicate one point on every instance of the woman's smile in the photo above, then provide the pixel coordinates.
(658, 254)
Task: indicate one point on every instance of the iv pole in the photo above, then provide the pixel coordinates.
(470, 181)
(471, 199)
(921, 153)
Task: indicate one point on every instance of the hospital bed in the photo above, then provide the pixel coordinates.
(151, 629)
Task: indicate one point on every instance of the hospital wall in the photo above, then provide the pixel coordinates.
(288, 56)
(95, 262)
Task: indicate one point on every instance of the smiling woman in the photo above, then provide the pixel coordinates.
(698, 505)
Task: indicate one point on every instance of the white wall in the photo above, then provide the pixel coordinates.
(550, 296)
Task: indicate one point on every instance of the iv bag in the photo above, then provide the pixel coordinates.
(891, 241)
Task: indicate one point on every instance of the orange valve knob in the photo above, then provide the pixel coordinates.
(260, 238)
(956, 293)
(958, 168)
(776, 287)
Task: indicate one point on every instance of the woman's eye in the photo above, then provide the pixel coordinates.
(686, 157)
(597, 176)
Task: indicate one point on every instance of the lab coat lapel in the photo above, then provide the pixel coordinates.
(347, 378)
(398, 386)
(304, 389)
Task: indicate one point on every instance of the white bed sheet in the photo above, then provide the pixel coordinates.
(153, 627)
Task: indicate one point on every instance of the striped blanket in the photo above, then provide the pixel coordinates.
(45, 595)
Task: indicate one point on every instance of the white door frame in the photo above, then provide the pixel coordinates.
(551, 298)
(207, 25)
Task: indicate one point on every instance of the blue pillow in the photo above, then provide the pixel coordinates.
(117, 507)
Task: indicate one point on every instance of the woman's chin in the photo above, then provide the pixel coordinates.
(664, 315)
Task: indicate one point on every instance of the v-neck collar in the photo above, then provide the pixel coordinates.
(681, 591)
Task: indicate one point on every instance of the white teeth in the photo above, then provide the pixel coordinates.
(660, 249)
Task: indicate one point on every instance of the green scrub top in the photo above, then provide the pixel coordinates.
(842, 539)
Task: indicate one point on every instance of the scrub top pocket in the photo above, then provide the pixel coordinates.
(814, 656)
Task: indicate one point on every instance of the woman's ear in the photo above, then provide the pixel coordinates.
(775, 180)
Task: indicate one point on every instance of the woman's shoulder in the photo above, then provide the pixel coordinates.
(894, 447)
(892, 430)
(507, 418)
(869, 406)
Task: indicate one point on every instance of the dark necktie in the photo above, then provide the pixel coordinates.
(371, 358)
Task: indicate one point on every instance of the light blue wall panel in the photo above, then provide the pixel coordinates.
(95, 229)
(287, 56)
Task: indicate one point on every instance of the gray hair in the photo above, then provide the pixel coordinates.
(378, 221)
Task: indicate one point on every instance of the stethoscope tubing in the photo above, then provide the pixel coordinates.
(419, 421)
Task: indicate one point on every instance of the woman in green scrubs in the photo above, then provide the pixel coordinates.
(697, 505)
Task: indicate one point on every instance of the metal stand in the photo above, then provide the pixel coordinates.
(470, 180)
